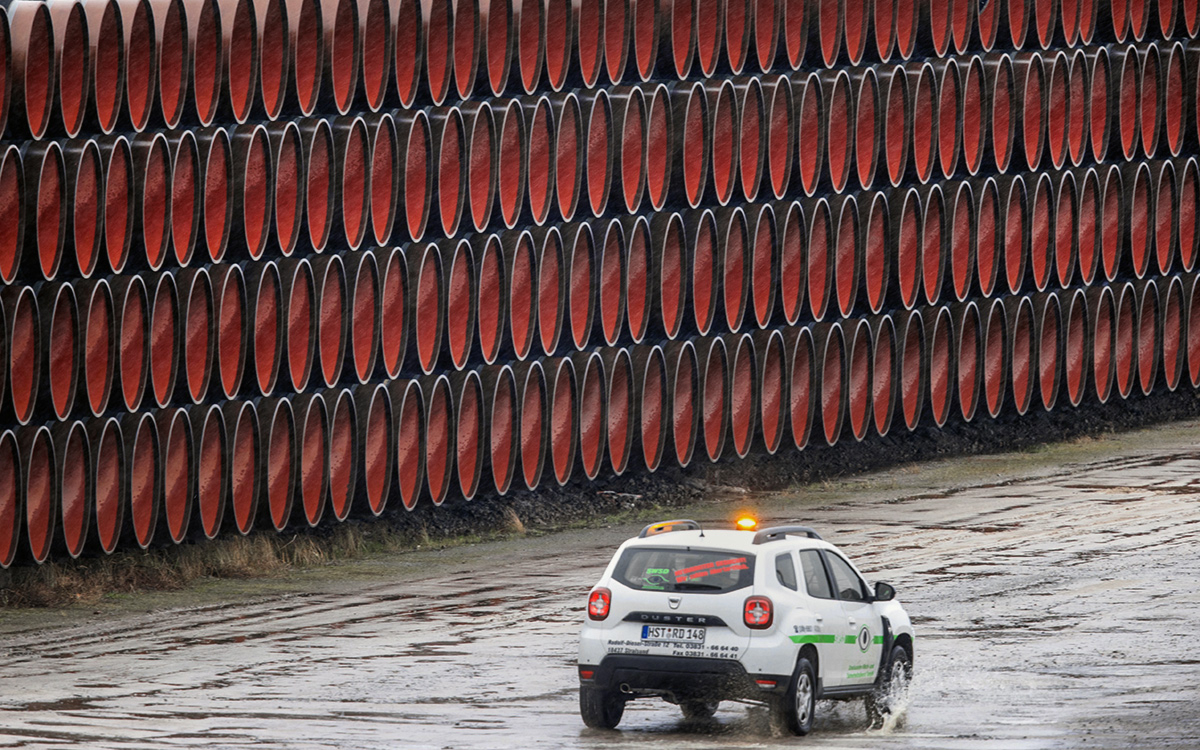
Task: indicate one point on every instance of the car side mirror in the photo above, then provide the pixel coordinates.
(884, 592)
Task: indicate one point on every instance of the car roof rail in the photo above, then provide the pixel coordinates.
(665, 527)
(775, 533)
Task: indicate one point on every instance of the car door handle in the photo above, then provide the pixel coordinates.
(851, 621)
(820, 619)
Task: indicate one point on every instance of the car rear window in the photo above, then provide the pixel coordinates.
(678, 569)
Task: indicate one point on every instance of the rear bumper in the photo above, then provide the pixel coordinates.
(684, 678)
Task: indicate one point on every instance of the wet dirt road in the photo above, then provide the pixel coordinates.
(1056, 597)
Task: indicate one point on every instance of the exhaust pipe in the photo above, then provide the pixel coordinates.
(885, 373)
(715, 415)
(375, 440)
(213, 456)
(84, 204)
(802, 386)
(98, 345)
(343, 453)
(245, 467)
(859, 380)
(266, 306)
(1076, 351)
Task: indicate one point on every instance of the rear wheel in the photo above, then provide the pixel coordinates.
(891, 696)
(795, 711)
(600, 709)
(699, 709)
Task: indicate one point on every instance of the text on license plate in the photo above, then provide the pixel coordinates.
(672, 633)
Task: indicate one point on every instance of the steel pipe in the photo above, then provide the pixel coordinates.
(39, 488)
(377, 34)
(298, 316)
(437, 37)
(780, 137)
(650, 394)
(907, 239)
(1022, 352)
(878, 255)
(744, 395)
(529, 20)
(425, 304)
(1174, 100)
(702, 243)
(819, 270)
(1016, 231)
(1150, 335)
(848, 260)
(1127, 101)
(551, 292)
(195, 333)
(215, 200)
(683, 386)
(1138, 218)
(936, 234)
(1185, 214)
(213, 466)
(107, 482)
(495, 305)
(61, 345)
(178, 446)
(830, 343)
(534, 422)
(1067, 240)
(352, 179)
(802, 386)
(628, 112)
(131, 334)
(690, 141)
(1042, 232)
(923, 88)
(1100, 96)
(145, 475)
(641, 296)
(811, 130)
(319, 184)
(289, 184)
(394, 305)
(1078, 101)
(997, 356)
(669, 267)
(581, 273)
(1102, 327)
(713, 362)
(611, 282)
(859, 363)
(975, 114)
(512, 165)
(186, 194)
(364, 328)
(540, 168)
(266, 309)
(342, 52)
(482, 154)
(884, 370)
(333, 319)
(559, 40)
(375, 441)
(962, 241)
(415, 140)
(764, 266)
(619, 407)
(311, 454)
(12, 203)
(941, 368)
(592, 411)
(274, 42)
(1076, 345)
(45, 207)
(969, 362)
(600, 145)
(1125, 349)
(98, 345)
(246, 467)
(281, 470)
(1165, 222)
(85, 203)
(1061, 127)
(734, 253)
(1091, 227)
(469, 431)
(563, 391)
(1004, 97)
(73, 466)
(1174, 332)
(660, 145)
(913, 366)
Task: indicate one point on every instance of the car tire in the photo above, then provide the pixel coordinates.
(699, 709)
(600, 709)
(891, 695)
(794, 712)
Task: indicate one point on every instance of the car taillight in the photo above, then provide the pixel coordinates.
(757, 612)
(599, 603)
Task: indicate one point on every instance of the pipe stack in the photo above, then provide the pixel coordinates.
(264, 264)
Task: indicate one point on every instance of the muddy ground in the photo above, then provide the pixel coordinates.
(1054, 590)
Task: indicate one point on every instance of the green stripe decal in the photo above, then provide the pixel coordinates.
(851, 640)
(879, 640)
(813, 638)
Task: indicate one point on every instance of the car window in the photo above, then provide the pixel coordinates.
(815, 580)
(849, 586)
(785, 570)
(679, 569)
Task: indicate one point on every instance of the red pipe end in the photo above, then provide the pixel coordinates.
(108, 478)
(858, 402)
(231, 331)
(332, 322)
(280, 462)
(468, 435)
(429, 318)
(179, 481)
(460, 290)
(256, 192)
(50, 221)
(64, 350)
(639, 277)
(658, 143)
(612, 283)
(672, 284)
(185, 198)
(301, 320)
(619, 409)
(512, 165)
(883, 369)
(569, 157)
(531, 45)
(242, 59)
(833, 391)
(244, 467)
(86, 208)
(592, 417)
(564, 422)
(155, 178)
(319, 187)
(288, 155)
(376, 46)
(558, 42)
(141, 68)
(704, 273)
(164, 344)
(144, 472)
(172, 66)
(736, 268)
(876, 253)
(198, 336)
(206, 61)
(532, 424)
(274, 53)
(356, 184)
(439, 49)
(364, 321)
(541, 161)
(551, 293)
(467, 36)
(406, 28)
(839, 121)
(481, 167)
(393, 303)
(312, 456)
(452, 172)
(269, 328)
(345, 53)
(489, 298)
(652, 410)
(12, 204)
(41, 488)
(743, 382)
(133, 348)
(384, 180)
(524, 297)
(581, 297)
(212, 472)
(99, 348)
(802, 389)
(502, 430)
(764, 249)
(217, 209)
(376, 453)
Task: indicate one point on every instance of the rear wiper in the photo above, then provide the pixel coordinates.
(694, 586)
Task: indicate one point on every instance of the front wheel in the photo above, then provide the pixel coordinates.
(795, 711)
(600, 709)
(891, 696)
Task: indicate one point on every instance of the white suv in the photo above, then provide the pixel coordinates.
(696, 616)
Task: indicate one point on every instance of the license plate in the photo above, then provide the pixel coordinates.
(672, 634)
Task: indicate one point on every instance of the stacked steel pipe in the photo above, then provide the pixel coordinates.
(266, 263)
